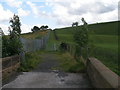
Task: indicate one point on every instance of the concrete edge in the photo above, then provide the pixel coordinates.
(105, 72)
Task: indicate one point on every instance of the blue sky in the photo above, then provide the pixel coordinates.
(56, 13)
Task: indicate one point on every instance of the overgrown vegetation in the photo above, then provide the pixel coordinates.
(81, 39)
(32, 59)
(52, 44)
(105, 40)
(11, 44)
(35, 35)
(68, 63)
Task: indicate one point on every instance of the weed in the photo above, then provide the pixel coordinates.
(32, 59)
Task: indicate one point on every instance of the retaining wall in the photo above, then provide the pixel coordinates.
(100, 75)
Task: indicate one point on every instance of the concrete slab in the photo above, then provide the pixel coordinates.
(49, 80)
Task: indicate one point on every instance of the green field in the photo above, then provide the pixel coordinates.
(104, 37)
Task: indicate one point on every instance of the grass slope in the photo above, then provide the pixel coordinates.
(105, 39)
(35, 35)
(107, 28)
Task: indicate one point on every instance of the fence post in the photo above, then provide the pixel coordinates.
(22, 55)
(11, 63)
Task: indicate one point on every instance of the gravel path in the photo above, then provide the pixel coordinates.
(44, 77)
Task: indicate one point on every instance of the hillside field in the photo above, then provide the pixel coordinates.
(104, 37)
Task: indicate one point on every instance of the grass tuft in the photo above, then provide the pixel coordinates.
(31, 61)
(69, 64)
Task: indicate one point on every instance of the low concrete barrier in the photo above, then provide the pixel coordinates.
(100, 75)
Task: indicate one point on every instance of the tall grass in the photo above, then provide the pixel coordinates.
(32, 59)
(69, 64)
(35, 35)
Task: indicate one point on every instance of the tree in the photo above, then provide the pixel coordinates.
(35, 28)
(85, 24)
(5, 46)
(12, 44)
(74, 24)
(81, 37)
(1, 32)
(15, 24)
(44, 27)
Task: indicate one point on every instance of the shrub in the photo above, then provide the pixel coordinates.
(11, 43)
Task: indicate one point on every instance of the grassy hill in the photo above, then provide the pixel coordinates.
(106, 28)
(35, 35)
(104, 38)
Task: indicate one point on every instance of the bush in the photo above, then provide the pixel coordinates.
(69, 64)
(32, 59)
(11, 43)
(81, 37)
(63, 46)
(10, 46)
(5, 46)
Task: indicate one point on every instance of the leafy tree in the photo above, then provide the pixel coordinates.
(15, 46)
(44, 27)
(74, 24)
(35, 28)
(85, 24)
(5, 46)
(81, 37)
(11, 44)
(15, 24)
(1, 32)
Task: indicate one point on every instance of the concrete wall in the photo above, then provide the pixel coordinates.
(100, 75)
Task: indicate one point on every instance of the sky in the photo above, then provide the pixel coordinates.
(56, 13)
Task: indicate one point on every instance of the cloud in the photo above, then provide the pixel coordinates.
(14, 3)
(4, 28)
(5, 15)
(37, 10)
(113, 15)
(25, 28)
(62, 12)
(119, 10)
(93, 7)
(22, 12)
(33, 7)
(66, 12)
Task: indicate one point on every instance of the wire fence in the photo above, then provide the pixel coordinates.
(30, 45)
